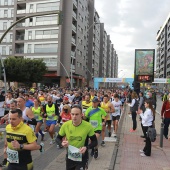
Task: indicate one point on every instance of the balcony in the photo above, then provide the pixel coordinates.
(19, 50)
(73, 67)
(21, 11)
(73, 54)
(74, 15)
(21, 24)
(75, 2)
(20, 37)
(73, 40)
(74, 28)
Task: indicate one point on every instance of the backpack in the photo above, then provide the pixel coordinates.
(151, 133)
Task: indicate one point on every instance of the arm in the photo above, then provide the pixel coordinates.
(31, 146)
(146, 115)
(133, 102)
(112, 109)
(30, 115)
(56, 110)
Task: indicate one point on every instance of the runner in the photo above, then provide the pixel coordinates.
(20, 141)
(86, 103)
(27, 113)
(75, 134)
(51, 112)
(109, 108)
(94, 114)
(116, 115)
(37, 111)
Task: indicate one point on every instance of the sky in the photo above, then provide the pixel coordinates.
(132, 24)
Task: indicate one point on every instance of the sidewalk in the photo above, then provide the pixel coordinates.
(129, 158)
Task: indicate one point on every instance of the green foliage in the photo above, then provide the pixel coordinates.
(24, 70)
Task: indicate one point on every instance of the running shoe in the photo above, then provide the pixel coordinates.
(4, 162)
(96, 153)
(103, 143)
(52, 142)
(42, 150)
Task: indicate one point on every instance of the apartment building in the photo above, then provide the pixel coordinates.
(6, 19)
(70, 48)
(163, 50)
(103, 51)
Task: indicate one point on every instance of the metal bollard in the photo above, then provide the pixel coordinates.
(161, 134)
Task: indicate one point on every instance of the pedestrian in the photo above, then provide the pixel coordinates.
(165, 115)
(147, 121)
(74, 135)
(134, 109)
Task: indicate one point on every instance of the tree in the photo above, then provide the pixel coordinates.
(24, 70)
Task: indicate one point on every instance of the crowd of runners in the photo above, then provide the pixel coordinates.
(81, 115)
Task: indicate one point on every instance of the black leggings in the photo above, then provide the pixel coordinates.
(134, 120)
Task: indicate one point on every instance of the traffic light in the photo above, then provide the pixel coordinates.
(1, 72)
(61, 18)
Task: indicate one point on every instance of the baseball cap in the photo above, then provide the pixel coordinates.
(95, 100)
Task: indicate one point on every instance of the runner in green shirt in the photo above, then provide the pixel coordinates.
(94, 115)
(74, 135)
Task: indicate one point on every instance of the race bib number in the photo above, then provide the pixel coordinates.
(50, 117)
(94, 123)
(74, 154)
(12, 156)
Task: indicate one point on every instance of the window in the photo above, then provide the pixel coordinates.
(5, 2)
(12, 13)
(29, 35)
(12, 2)
(46, 34)
(10, 50)
(4, 25)
(3, 50)
(31, 7)
(46, 48)
(5, 13)
(11, 36)
(46, 18)
(29, 48)
(50, 6)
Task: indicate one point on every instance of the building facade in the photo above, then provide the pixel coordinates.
(71, 48)
(163, 50)
(6, 19)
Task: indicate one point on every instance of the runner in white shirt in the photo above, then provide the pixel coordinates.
(116, 115)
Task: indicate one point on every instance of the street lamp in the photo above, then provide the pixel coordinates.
(76, 50)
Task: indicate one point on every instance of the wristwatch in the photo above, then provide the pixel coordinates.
(21, 146)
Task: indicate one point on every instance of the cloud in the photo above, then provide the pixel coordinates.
(132, 24)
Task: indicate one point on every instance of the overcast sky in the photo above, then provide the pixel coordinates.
(132, 24)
